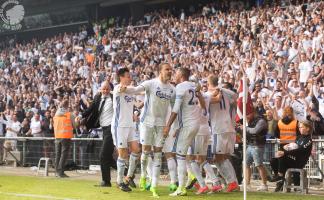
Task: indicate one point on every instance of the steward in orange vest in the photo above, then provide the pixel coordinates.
(63, 126)
(288, 132)
(287, 128)
(63, 131)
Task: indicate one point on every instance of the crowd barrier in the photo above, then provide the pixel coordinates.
(28, 150)
(85, 152)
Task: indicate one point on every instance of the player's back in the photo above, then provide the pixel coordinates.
(220, 115)
(190, 111)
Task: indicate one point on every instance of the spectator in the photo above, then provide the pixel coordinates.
(13, 127)
(293, 155)
(256, 139)
(47, 127)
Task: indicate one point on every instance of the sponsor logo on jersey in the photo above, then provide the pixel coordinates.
(163, 95)
(128, 99)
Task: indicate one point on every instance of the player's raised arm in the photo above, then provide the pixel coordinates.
(132, 90)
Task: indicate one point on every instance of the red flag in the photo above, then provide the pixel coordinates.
(249, 104)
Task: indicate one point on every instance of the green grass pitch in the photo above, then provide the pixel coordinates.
(31, 188)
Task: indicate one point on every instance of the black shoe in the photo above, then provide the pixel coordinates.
(62, 175)
(193, 181)
(131, 182)
(124, 187)
(104, 184)
(280, 184)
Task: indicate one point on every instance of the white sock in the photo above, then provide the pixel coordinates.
(189, 171)
(156, 168)
(188, 165)
(210, 173)
(144, 161)
(132, 164)
(120, 170)
(149, 166)
(172, 166)
(181, 170)
(196, 171)
(231, 175)
(226, 170)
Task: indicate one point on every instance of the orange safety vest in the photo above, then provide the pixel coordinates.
(63, 126)
(287, 131)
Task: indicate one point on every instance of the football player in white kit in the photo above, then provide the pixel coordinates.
(188, 111)
(159, 94)
(198, 153)
(170, 155)
(223, 132)
(124, 132)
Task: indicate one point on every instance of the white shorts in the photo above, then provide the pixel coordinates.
(204, 130)
(123, 135)
(223, 143)
(170, 142)
(151, 135)
(185, 138)
(199, 145)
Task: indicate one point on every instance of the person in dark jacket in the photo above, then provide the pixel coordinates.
(256, 133)
(293, 155)
(99, 114)
(316, 118)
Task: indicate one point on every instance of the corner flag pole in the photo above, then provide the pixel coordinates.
(244, 135)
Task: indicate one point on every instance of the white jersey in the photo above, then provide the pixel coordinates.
(158, 98)
(123, 105)
(186, 104)
(220, 113)
(204, 117)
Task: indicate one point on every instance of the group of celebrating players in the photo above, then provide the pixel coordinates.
(180, 119)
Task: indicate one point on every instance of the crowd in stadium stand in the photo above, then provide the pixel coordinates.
(279, 48)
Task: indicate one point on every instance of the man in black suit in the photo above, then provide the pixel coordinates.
(100, 113)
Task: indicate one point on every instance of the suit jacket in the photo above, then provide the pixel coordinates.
(91, 115)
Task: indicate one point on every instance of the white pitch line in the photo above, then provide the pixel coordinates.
(35, 196)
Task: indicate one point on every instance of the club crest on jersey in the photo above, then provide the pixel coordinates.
(128, 99)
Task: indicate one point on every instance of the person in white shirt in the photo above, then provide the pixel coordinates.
(159, 94)
(305, 69)
(223, 132)
(198, 153)
(36, 146)
(36, 127)
(123, 131)
(187, 110)
(170, 155)
(13, 127)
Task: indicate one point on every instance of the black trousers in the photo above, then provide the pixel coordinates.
(106, 154)
(282, 164)
(62, 147)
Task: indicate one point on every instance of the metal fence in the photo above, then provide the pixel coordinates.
(28, 150)
(85, 152)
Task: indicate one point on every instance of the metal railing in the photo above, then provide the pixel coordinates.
(85, 152)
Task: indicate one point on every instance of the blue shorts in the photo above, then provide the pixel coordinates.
(254, 154)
